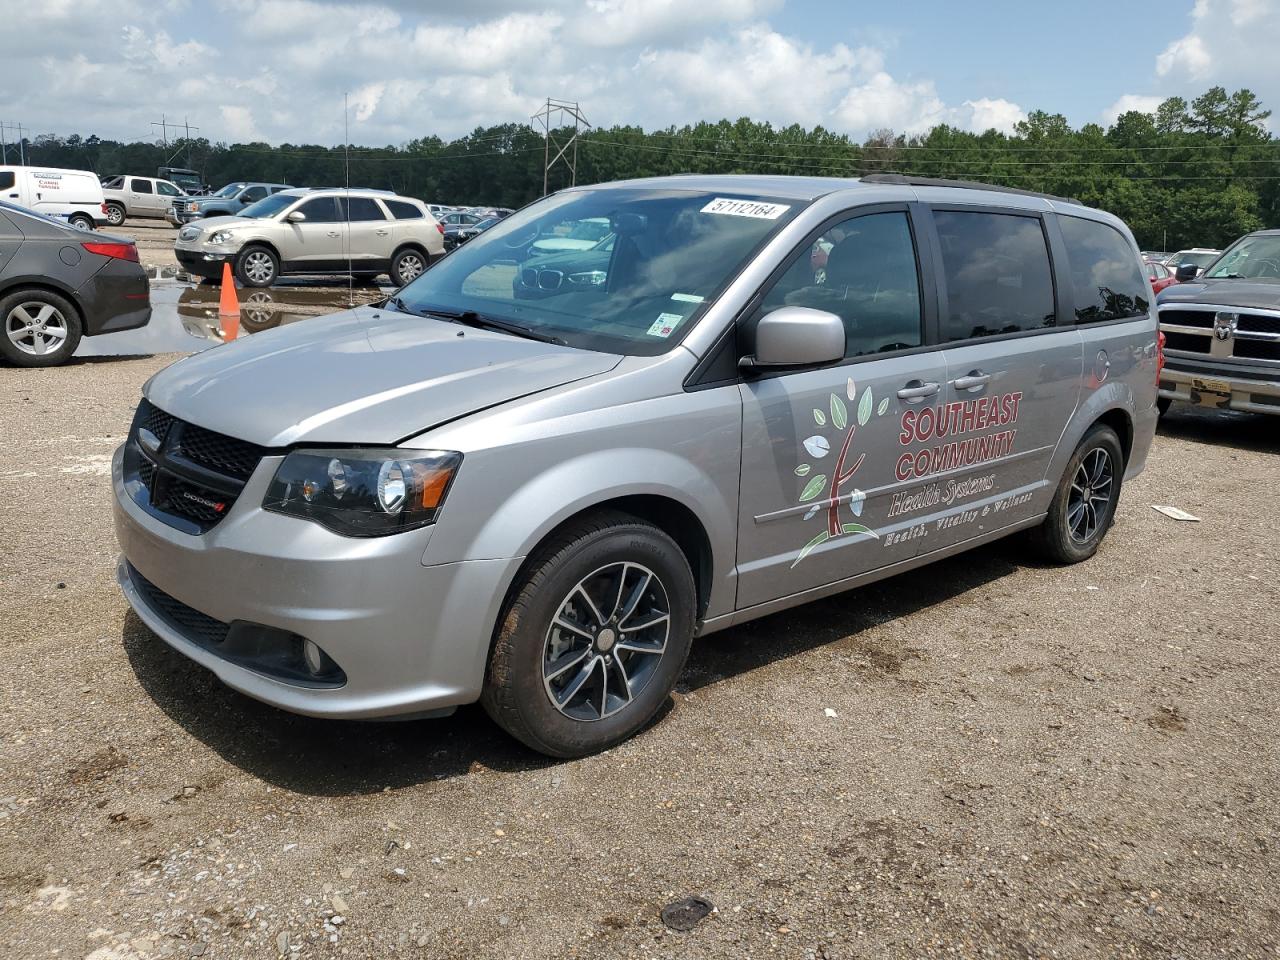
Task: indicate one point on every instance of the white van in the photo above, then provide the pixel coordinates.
(73, 195)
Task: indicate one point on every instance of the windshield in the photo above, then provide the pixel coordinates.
(230, 190)
(1253, 257)
(669, 254)
(268, 206)
(1199, 259)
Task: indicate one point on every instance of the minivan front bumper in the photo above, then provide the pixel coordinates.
(410, 639)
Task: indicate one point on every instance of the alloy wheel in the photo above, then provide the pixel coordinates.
(115, 216)
(36, 328)
(410, 267)
(1090, 495)
(258, 267)
(606, 640)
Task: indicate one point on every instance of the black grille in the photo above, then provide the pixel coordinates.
(1257, 349)
(235, 458)
(1258, 323)
(193, 624)
(192, 480)
(1191, 342)
(1188, 318)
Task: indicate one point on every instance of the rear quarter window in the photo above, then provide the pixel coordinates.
(1106, 275)
(402, 210)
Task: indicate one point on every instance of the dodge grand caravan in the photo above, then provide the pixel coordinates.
(537, 503)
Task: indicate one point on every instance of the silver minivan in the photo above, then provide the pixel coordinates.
(762, 391)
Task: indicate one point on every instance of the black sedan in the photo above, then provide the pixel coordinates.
(456, 234)
(58, 284)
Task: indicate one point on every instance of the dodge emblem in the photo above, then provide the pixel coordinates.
(1224, 325)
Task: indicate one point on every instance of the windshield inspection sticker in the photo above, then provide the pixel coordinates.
(746, 208)
(665, 325)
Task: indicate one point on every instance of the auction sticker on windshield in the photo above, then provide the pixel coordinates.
(665, 325)
(746, 208)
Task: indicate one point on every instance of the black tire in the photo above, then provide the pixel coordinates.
(115, 214)
(407, 265)
(515, 693)
(257, 266)
(20, 305)
(1162, 405)
(1062, 538)
(81, 221)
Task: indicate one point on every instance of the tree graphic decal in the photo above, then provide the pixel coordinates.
(819, 447)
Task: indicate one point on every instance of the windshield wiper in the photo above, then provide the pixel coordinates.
(470, 318)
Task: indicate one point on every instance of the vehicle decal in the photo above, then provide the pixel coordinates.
(665, 325)
(921, 429)
(725, 206)
(818, 447)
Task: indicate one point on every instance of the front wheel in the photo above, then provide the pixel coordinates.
(41, 328)
(594, 638)
(1084, 505)
(257, 267)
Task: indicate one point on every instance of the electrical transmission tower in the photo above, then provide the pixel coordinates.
(186, 129)
(5, 127)
(563, 111)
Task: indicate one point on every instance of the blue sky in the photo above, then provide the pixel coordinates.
(276, 70)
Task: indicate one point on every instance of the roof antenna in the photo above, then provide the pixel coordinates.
(346, 172)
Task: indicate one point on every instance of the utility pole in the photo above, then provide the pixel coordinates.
(563, 111)
(21, 143)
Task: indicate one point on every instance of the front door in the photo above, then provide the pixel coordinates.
(821, 499)
(142, 197)
(318, 242)
(369, 241)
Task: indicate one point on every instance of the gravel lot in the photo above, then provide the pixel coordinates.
(1024, 761)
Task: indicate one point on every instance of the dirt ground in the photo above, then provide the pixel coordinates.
(1023, 761)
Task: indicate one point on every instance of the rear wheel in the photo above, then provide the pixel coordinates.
(257, 267)
(81, 221)
(1084, 505)
(594, 637)
(115, 214)
(407, 265)
(41, 328)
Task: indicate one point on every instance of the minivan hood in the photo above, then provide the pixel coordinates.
(363, 376)
(1264, 294)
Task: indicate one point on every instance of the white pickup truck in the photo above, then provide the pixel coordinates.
(130, 196)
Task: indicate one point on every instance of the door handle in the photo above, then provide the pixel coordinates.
(917, 390)
(334, 233)
(973, 380)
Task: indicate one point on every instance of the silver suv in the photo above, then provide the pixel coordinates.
(364, 232)
(766, 391)
(129, 196)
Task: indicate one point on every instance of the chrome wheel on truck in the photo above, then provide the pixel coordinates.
(606, 641)
(595, 632)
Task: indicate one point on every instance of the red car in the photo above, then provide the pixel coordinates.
(1160, 276)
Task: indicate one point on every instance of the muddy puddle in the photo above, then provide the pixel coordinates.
(184, 315)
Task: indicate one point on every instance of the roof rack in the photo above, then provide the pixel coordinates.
(903, 179)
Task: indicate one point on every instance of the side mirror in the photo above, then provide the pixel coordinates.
(297, 216)
(797, 337)
(1186, 272)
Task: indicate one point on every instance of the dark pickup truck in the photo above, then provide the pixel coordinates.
(1222, 330)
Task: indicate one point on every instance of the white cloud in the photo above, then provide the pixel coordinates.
(1187, 55)
(617, 23)
(1128, 102)
(994, 114)
(239, 123)
(1232, 43)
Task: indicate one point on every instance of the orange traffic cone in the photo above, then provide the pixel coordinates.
(228, 306)
(229, 303)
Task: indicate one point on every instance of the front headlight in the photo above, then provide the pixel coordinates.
(222, 236)
(193, 207)
(363, 493)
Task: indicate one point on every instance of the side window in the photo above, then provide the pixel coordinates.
(363, 209)
(321, 210)
(403, 211)
(7, 179)
(275, 190)
(996, 267)
(863, 270)
(140, 186)
(253, 195)
(1105, 273)
(168, 189)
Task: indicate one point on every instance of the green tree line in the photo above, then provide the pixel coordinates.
(1198, 173)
